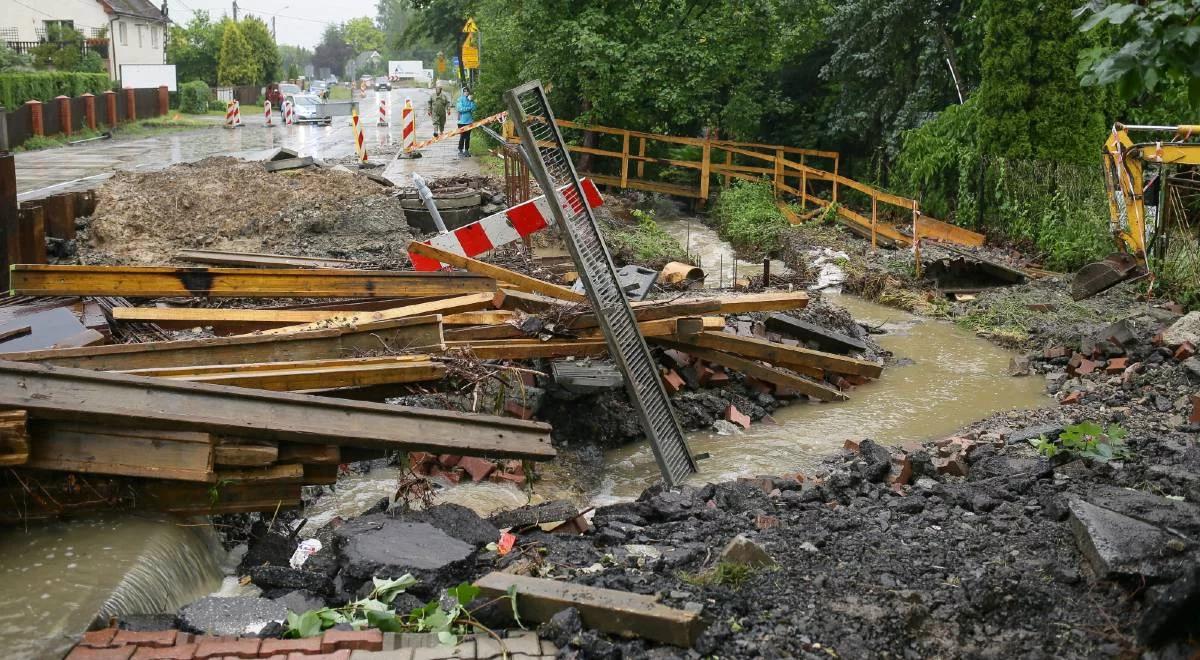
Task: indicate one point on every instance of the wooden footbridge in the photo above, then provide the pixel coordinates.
(688, 167)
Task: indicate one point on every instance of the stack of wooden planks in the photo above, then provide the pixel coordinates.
(255, 402)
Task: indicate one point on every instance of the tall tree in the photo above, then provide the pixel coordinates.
(293, 59)
(333, 52)
(362, 36)
(263, 47)
(237, 64)
(193, 48)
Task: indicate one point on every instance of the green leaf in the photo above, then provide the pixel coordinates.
(384, 620)
(439, 621)
(447, 638)
(308, 624)
(386, 590)
(465, 593)
(511, 593)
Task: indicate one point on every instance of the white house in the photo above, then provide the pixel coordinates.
(136, 30)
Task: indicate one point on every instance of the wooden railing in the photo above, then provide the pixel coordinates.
(789, 169)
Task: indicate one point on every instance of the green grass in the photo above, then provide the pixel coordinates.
(747, 217)
(339, 93)
(726, 574)
(644, 242)
(141, 127)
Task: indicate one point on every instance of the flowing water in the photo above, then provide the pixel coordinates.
(58, 577)
(713, 254)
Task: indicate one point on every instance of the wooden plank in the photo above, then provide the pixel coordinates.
(496, 272)
(618, 612)
(107, 398)
(771, 375)
(209, 369)
(260, 260)
(85, 337)
(421, 332)
(530, 303)
(478, 318)
(943, 231)
(152, 281)
(826, 340)
(60, 216)
(14, 438)
(772, 301)
(76, 446)
(12, 333)
(293, 380)
(467, 303)
(247, 320)
(197, 499)
(245, 453)
(784, 356)
(278, 474)
(31, 223)
(524, 349)
(310, 454)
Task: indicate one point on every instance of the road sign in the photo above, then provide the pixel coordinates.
(470, 27)
(470, 51)
(439, 64)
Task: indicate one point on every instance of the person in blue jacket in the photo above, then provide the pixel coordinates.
(466, 110)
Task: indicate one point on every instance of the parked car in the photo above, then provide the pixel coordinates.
(318, 88)
(382, 84)
(310, 108)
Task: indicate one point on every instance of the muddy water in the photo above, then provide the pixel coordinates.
(57, 577)
(712, 253)
(956, 378)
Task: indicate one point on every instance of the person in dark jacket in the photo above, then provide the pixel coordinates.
(466, 115)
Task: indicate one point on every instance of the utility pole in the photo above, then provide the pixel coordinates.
(235, 11)
(272, 28)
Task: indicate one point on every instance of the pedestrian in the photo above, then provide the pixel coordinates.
(439, 106)
(466, 110)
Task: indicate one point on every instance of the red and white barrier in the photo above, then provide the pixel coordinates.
(233, 114)
(289, 113)
(267, 114)
(408, 123)
(498, 229)
(383, 112)
(360, 147)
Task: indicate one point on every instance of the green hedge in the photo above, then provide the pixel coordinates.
(17, 88)
(193, 97)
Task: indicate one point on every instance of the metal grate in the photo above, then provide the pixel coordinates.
(530, 112)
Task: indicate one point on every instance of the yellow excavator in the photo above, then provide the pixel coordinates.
(1153, 199)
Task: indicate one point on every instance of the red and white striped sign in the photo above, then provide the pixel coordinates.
(498, 229)
(408, 125)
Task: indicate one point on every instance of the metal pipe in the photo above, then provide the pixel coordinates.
(427, 197)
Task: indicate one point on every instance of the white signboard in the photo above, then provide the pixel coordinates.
(405, 69)
(141, 76)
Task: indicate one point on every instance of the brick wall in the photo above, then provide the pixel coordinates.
(16, 124)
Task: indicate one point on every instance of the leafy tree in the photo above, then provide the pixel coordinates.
(262, 48)
(362, 36)
(11, 59)
(62, 50)
(193, 48)
(293, 59)
(1154, 44)
(333, 52)
(237, 64)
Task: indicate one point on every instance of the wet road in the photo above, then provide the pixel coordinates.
(40, 173)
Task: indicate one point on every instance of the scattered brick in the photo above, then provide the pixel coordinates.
(157, 638)
(1071, 399)
(529, 380)
(244, 647)
(732, 414)
(513, 466)
(705, 375)
(954, 466)
(577, 525)
(177, 652)
(421, 458)
(763, 521)
(842, 384)
(99, 638)
(285, 646)
(857, 380)
(1185, 351)
(673, 381)
(453, 476)
(765, 484)
(718, 378)
(678, 358)
(448, 460)
(851, 444)
(517, 479)
(1085, 367)
(517, 410)
(343, 654)
(759, 386)
(112, 653)
(901, 471)
(478, 468)
(1055, 352)
(1116, 366)
(1158, 339)
(352, 640)
(1195, 416)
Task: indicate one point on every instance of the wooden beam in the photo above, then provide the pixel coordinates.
(421, 332)
(772, 301)
(14, 438)
(496, 272)
(478, 318)
(153, 281)
(210, 369)
(310, 454)
(467, 303)
(530, 303)
(621, 613)
(784, 356)
(293, 380)
(77, 446)
(99, 398)
(245, 321)
(771, 375)
(245, 453)
(260, 260)
(277, 474)
(524, 349)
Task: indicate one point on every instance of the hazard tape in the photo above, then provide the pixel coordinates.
(498, 229)
(499, 116)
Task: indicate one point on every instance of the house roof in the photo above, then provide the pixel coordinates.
(139, 8)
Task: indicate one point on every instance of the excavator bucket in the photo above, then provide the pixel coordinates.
(1101, 275)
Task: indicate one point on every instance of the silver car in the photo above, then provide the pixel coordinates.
(311, 109)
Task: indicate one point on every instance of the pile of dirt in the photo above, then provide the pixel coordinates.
(222, 203)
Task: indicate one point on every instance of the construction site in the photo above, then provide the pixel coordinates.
(312, 392)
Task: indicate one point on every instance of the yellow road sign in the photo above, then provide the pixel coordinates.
(470, 52)
(470, 27)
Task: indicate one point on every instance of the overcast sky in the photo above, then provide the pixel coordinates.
(297, 22)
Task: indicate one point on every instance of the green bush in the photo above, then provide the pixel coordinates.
(645, 243)
(17, 88)
(748, 218)
(193, 97)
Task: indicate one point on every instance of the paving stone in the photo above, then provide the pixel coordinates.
(114, 653)
(1116, 545)
(157, 639)
(396, 654)
(246, 647)
(303, 645)
(353, 640)
(380, 546)
(99, 638)
(177, 652)
(230, 616)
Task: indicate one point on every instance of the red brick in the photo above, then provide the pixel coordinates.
(1055, 352)
(513, 478)
(201, 639)
(114, 653)
(1195, 417)
(478, 468)
(1071, 399)
(851, 444)
(955, 466)
(706, 374)
(177, 652)
(98, 638)
(1185, 351)
(857, 380)
(453, 476)
(517, 410)
(244, 647)
(678, 358)
(1158, 339)
(1086, 367)
(901, 471)
(285, 646)
(765, 484)
(732, 414)
(343, 654)
(352, 640)
(673, 381)
(1116, 366)
(757, 385)
(763, 521)
(530, 380)
(718, 378)
(513, 466)
(421, 458)
(157, 639)
(448, 460)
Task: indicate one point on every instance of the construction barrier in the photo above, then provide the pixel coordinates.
(383, 118)
(359, 146)
(499, 116)
(408, 120)
(289, 113)
(267, 113)
(233, 114)
(498, 229)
